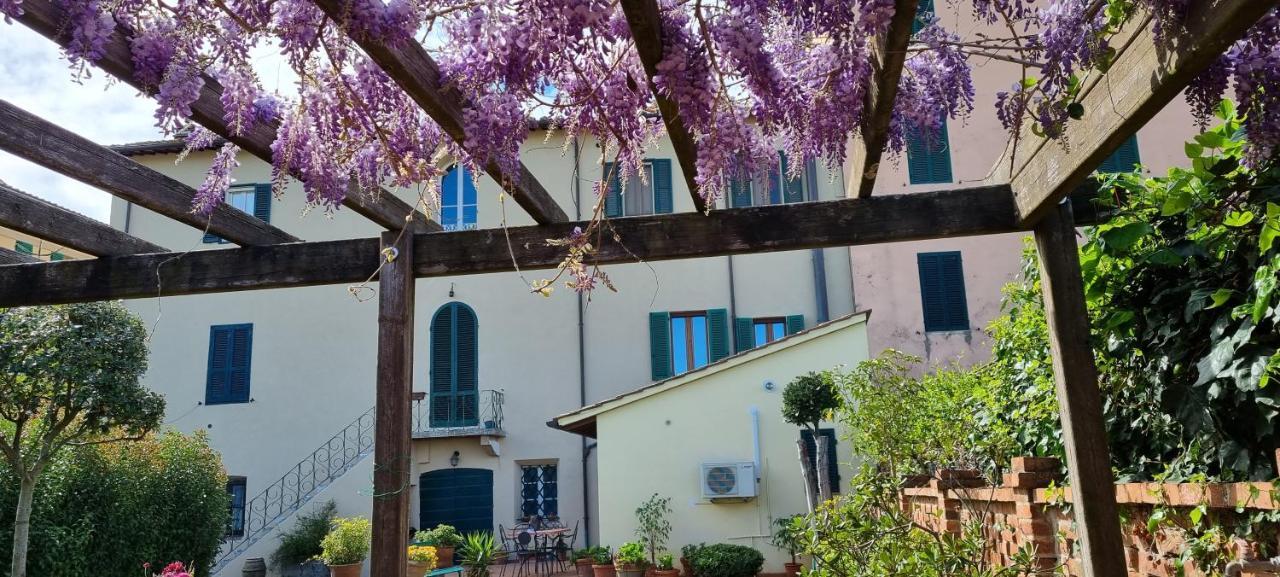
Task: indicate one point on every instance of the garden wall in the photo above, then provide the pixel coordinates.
(1029, 509)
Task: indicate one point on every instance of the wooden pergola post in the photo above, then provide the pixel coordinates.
(1075, 377)
(392, 449)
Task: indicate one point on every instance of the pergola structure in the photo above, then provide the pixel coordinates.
(1027, 193)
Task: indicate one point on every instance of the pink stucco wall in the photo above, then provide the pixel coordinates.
(885, 277)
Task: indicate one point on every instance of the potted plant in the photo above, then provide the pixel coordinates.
(297, 555)
(477, 552)
(687, 554)
(422, 560)
(444, 538)
(725, 560)
(666, 567)
(652, 526)
(602, 565)
(584, 558)
(786, 536)
(346, 546)
(630, 560)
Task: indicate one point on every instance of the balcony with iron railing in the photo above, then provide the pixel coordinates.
(464, 414)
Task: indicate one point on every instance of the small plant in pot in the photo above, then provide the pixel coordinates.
(687, 554)
(652, 526)
(477, 552)
(630, 560)
(666, 567)
(584, 558)
(602, 563)
(726, 560)
(345, 547)
(297, 555)
(786, 536)
(444, 538)
(422, 560)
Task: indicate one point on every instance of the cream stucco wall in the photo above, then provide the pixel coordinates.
(657, 443)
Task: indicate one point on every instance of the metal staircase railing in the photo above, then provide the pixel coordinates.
(295, 488)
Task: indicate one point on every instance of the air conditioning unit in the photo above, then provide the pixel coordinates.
(729, 481)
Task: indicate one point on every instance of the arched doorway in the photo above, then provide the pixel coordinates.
(459, 497)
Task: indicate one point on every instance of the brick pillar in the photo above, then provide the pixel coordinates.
(1026, 475)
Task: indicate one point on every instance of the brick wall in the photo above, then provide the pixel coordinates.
(1025, 510)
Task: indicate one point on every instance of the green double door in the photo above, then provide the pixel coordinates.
(459, 497)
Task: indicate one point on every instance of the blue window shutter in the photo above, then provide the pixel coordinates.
(613, 195)
(794, 188)
(929, 160)
(660, 345)
(230, 364)
(924, 14)
(775, 186)
(217, 379)
(717, 334)
(466, 344)
(1124, 159)
(744, 334)
(455, 366)
(942, 293)
(740, 191)
(262, 201)
(795, 324)
(662, 203)
(442, 365)
(833, 462)
(811, 178)
(241, 362)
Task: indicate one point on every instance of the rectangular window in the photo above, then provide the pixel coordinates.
(56, 256)
(458, 199)
(929, 157)
(646, 192)
(1124, 159)
(539, 491)
(637, 193)
(683, 341)
(942, 293)
(24, 247)
(230, 352)
(236, 487)
(769, 330)
(771, 187)
(688, 341)
(833, 462)
(254, 199)
(750, 333)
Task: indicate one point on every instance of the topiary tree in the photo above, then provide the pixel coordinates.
(806, 401)
(69, 375)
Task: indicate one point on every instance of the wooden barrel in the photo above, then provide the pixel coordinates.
(254, 567)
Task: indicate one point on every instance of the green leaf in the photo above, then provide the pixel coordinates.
(1270, 228)
(1220, 297)
(1238, 218)
(1197, 514)
(1226, 109)
(1211, 139)
(1177, 202)
(1029, 82)
(1192, 149)
(1123, 237)
(1264, 283)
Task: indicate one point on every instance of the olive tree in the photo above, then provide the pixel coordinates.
(806, 401)
(69, 375)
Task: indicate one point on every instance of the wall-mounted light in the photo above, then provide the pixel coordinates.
(450, 290)
(453, 460)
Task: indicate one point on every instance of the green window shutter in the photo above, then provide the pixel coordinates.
(230, 361)
(613, 195)
(262, 202)
(660, 345)
(740, 191)
(833, 456)
(811, 178)
(1124, 159)
(793, 190)
(942, 292)
(454, 367)
(744, 334)
(24, 247)
(717, 334)
(442, 365)
(924, 13)
(929, 162)
(241, 353)
(216, 379)
(57, 256)
(795, 324)
(662, 203)
(466, 351)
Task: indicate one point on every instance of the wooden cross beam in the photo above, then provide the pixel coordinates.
(418, 75)
(10, 256)
(845, 222)
(645, 20)
(48, 18)
(51, 146)
(43, 219)
(1143, 78)
(888, 55)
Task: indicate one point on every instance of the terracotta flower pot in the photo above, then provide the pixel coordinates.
(630, 570)
(584, 568)
(352, 570)
(444, 556)
(687, 565)
(666, 573)
(603, 570)
(416, 569)
(792, 569)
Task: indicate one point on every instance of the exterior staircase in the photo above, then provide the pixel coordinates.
(282, 498)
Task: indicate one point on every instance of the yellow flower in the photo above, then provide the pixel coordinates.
(425, 554)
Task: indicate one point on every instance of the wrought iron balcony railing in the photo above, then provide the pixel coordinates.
(464, 414)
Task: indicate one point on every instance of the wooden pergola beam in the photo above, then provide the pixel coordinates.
(888, 54)
(30, 137)
(418, 75)
(645, 20)
(48, 18)
(43, 219)
(846, 222)
(1142, 80)
(10, 256)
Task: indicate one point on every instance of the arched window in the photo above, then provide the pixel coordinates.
(454, 367)
(458, 199)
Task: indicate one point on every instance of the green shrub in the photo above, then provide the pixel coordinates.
(630, 554)
(442, 536)
(726, 560)
(347, 543)
(588, 553)
(107, 509)
(478, 552)
(301, 543)
(808, 399)
(602, 556)
(666, 562)
(690, 552)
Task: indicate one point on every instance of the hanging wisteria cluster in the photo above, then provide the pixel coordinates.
(749, 77)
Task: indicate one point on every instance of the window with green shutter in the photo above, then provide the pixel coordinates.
(753, 332)
(1124, 159)
(24, 247)
(230, 361)
(647, 192)
(942, 293)
(833, 456)
(254, 199)
(683, 341)
(929, 159)
(772, 187)
(57, 256)
(454, 367)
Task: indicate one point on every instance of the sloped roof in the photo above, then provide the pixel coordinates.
(583, 421)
